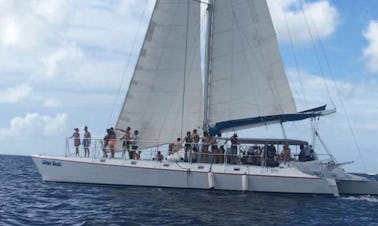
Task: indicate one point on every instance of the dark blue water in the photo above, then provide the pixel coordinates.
(26, 200)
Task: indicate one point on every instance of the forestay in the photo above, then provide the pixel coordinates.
(164, 99)
(247, 78)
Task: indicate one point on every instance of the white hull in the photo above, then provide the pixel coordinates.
(357, 187)
(182, 175)
(347, 183)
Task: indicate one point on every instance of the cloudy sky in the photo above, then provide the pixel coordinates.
(67, 63)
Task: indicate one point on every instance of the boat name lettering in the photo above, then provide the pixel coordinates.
(51, 163)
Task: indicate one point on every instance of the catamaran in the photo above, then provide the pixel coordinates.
(243, 84)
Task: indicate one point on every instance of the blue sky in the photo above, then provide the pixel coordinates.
(66, 64)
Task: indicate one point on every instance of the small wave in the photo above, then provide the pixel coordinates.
(367, 198)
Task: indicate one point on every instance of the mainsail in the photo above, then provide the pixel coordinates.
(164, 99)
(247, 78)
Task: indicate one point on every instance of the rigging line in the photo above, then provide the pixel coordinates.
(126, 67)
(313, 41)
(295, 60)
(323, 51)
(185, 66)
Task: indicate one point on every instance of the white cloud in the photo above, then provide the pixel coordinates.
(311, 20)
(10, 31)
(370, 52)
(53, 11)
(15, 94)
(35, 126)
(54, 125)
(51, 103)
(63, 61)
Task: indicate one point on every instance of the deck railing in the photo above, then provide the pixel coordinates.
(225, 153)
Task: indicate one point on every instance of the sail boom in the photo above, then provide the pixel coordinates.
(252, 122)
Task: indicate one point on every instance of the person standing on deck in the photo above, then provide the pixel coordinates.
(188, 146)
(134, 145)
(195, 139)
(76, 136)
(126, 144)
(285, 154)
(105, 146)
(213, 157)
(234, 148)
(86, 141)
(204, 148)
(112, 141)
(221, 150)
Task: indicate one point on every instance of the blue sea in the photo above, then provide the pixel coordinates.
(26, 200)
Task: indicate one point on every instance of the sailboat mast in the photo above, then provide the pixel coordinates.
(207, 64)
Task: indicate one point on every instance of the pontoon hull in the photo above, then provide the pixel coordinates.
(182, 175)
(355, 187)
(347, 183)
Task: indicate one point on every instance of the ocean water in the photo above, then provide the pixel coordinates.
(26, 200)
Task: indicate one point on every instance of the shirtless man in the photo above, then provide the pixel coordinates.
(86, 141)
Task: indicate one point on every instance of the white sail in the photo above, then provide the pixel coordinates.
(164, 99)
(247, 78)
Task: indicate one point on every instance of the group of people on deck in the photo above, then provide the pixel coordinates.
(205, 149)
(86, 141)
(211, 149)
(129, 144)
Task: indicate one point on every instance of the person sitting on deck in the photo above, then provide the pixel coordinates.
(313, 155)
(270, 154)
(170, 148)
(252, 156)
(176, 147)
(306, 153)
(285, 154)
(159, 157)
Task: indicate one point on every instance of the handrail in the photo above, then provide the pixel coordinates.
(225, 152)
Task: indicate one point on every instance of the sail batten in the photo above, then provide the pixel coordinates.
(247, 76)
